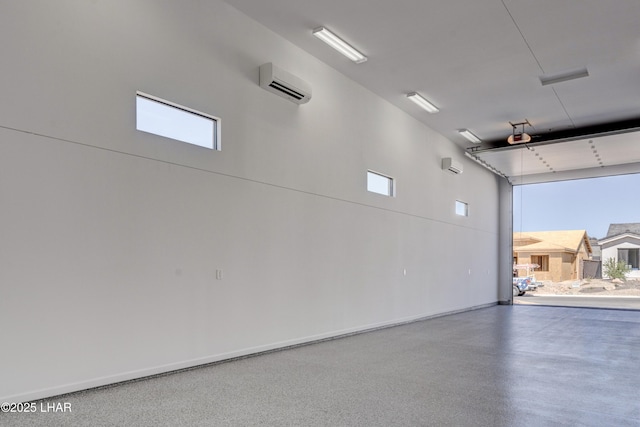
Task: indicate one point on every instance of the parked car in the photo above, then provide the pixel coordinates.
(527, 282)
(533, 285)
(520, 285)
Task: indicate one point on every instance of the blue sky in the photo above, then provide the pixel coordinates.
(589, 204)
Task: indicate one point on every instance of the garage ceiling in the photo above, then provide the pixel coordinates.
(481, 62)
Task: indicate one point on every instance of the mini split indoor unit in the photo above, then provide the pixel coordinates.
(451, 165)
(284, 84)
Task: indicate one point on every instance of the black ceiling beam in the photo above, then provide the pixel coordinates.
(571, 134)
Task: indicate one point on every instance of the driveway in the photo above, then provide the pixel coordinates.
(589, 301)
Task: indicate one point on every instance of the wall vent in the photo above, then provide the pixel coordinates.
(284, 84)
(451, 165)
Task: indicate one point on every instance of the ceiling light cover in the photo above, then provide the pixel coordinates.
(422, 102)
(470, 136)
(340, 45)
(549, 79)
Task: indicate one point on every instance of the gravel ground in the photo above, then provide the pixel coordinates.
(589, 287)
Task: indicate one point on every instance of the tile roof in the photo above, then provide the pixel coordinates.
(629, 227)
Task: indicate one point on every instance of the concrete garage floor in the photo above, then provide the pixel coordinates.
(498, 366)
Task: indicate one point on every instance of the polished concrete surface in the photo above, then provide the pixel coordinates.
(498, 366)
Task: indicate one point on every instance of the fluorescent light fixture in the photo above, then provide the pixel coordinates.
(340, 45)
(549, 79)
(470, 136)
(422, 102)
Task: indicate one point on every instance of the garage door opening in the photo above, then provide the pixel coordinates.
(577, 243)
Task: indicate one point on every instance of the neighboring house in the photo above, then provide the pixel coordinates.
(623, 244)
(595, 247)
(560, 254)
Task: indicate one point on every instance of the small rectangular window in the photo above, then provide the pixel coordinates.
(164, 118)
(462, 208)
(381, 184)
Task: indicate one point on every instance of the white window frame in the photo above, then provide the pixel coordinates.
(462, 208)
(179, 109)
(391, 183)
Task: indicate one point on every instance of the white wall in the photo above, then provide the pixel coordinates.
(612, 252)
(111, 237)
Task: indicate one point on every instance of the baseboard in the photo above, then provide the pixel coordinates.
(168, 369)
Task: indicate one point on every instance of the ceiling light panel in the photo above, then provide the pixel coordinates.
(549, 79)
(470, 136)
(340, 45)
(423, 102)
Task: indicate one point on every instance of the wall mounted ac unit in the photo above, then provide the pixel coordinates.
(284, 84)
(451, 165)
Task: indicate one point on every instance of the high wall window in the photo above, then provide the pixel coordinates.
(381, 184)
(542, 261)
(462, 208)
(164, 118)
(630, 256)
